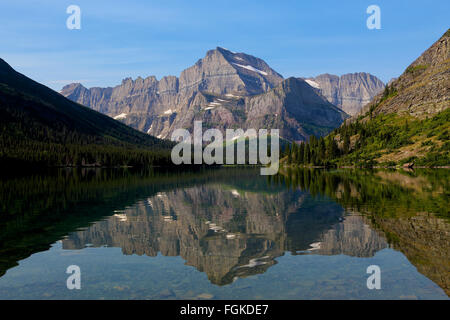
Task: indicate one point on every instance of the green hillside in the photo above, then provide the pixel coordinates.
(409, 123)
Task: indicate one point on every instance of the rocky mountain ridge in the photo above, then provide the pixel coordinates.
(350, 92)
(225, 89)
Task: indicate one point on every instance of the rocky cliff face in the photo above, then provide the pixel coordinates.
(350, 92)
(295, 109)
(223, 90)
(423, 89)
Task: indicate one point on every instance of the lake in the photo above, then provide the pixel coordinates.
(226, 233)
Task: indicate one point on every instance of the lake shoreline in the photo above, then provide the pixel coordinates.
(368, 167)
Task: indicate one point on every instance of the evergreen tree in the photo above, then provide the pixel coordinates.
(301, 153)
(346, 146)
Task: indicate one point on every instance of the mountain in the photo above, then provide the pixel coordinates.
(422, 90)
(224, 90)
(295, 108)
(407, 124)
(41, 126)
(350, 92)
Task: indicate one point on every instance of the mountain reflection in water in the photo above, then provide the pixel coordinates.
(232, 223)
(227, 233)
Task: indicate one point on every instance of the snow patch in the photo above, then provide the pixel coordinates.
(168, 111)
(314, 246)
(168, 218)
(313, 84)
(228, 50)
(120, 116)
(215, 228)
(254, 263)
(248, 67)
(231, 95)
(122, 217)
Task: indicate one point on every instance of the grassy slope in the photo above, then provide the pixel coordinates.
(410, 121)
(397, 139)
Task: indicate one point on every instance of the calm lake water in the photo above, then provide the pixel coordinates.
(225, 234)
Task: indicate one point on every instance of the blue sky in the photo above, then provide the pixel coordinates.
(120, 39)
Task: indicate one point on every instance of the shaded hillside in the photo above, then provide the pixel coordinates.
(41, 126)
